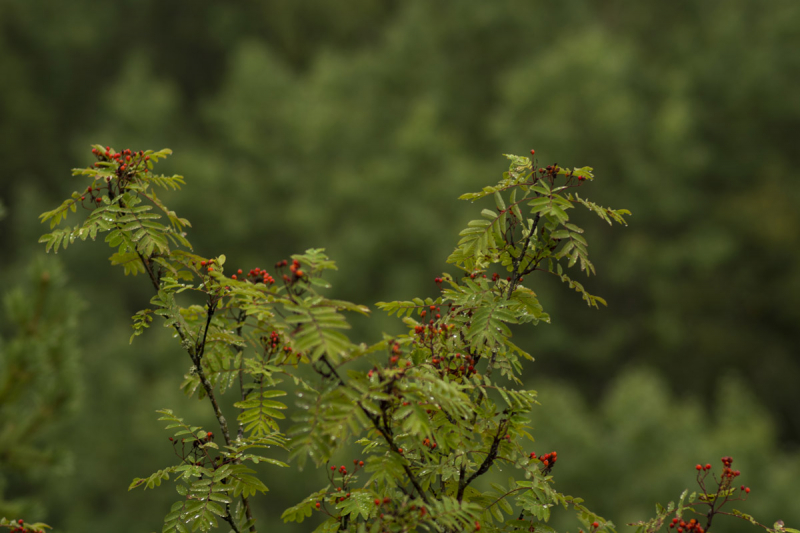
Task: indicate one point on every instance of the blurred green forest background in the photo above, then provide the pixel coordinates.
(354, 125)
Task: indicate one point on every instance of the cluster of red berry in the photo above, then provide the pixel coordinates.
(692, 526)
(126, 160)
(428, 444)
(456, 365)
(255, 275)
(274, 340)
(432, 329)
(552, 170)
(427, 333)
(92, 190)
(433, 309)
(20, 528)
(727, 471)
(344, 473)
(208, 265)
(297, 273)
(396, 353)
(548, 459)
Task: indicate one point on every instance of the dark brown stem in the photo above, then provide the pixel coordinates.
(240, 320)
(487, 462)
(196, 354)
(516, 274)
(385, 432)
(229, 519)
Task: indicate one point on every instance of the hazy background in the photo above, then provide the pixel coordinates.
(354, 125)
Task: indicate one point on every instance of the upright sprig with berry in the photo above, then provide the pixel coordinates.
(695, 512)
(245, 332)
(441, 405)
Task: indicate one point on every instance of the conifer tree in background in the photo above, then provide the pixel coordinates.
(40, 384)
(434, 409)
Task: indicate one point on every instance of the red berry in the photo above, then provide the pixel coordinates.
(316, 505)
(386, 500)
(698, 467)
(361, 463)
(595, 525)
(98, 200)
(377, 501)
(747, 490)
(533, 152)
(209, 435)
(83, 198)
(399, 450)
(234, 277)
(708, 467)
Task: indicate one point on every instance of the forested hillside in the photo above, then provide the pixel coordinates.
(354, 126)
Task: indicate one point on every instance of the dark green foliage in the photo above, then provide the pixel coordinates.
(40, 383)
(430, 415)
